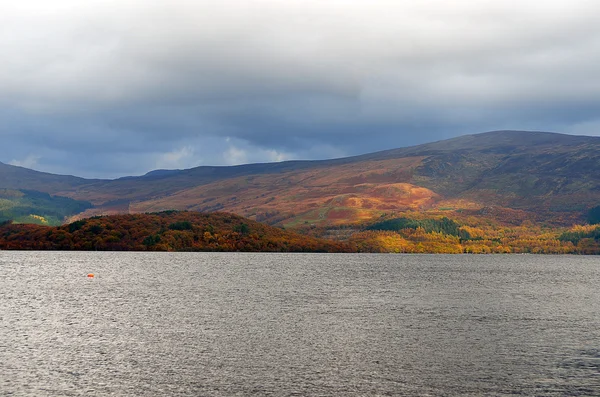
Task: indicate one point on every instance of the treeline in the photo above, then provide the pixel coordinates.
(481, 236)
(192, 231)
(419, 241)
(165, 231)
(585, 238)
(442, 225)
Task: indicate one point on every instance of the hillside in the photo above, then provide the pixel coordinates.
(15, 178)
(166, 231)
(535, 176)
(29, 206)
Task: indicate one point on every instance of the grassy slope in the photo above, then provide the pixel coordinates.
(27, 206)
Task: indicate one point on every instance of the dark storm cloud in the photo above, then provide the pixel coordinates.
(109, 88)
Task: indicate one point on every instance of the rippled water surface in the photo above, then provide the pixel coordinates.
(298, 324)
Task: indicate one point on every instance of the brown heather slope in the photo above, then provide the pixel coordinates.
(535, 176)
(339, 194)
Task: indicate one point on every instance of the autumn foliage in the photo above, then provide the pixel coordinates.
(164, 231)
(193, 231)
(483, 238)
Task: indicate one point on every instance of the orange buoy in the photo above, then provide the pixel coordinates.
(90, 275)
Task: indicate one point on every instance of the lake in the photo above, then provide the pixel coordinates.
(223, 324)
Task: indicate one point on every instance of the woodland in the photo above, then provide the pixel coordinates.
(194, 231)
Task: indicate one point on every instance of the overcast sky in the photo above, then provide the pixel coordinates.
(112, 88)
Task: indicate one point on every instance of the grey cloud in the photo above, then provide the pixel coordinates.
(124, 87)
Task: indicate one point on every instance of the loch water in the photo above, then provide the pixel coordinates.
(226, 324)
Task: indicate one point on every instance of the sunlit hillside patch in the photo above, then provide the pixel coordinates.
(39, 218)
(340, 215)
(457, 205)
(330, 216)
(416, 241)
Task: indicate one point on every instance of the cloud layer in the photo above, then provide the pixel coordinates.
(112, 88)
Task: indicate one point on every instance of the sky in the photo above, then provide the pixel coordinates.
(104, 89)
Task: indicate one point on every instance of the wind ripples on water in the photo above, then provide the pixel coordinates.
(298, 324)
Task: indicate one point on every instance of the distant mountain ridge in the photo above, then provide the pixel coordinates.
(552, 175)
(16, 177)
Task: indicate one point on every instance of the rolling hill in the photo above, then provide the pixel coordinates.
(506, 176)
(28, 206)
(165, 231)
